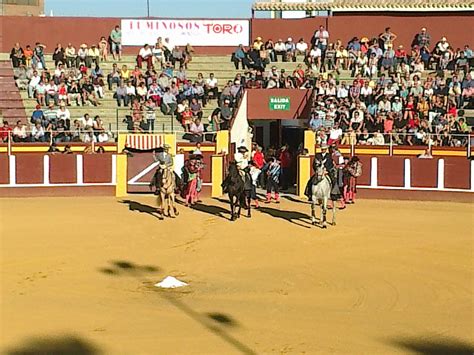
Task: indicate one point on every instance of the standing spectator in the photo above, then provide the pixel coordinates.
(150, 115)
(103, 49)
(38, 56)
(70, 53)
(423, 39)
(116, 42)
(28, 52)
(387, 38)
(285, 164)
(17, 56)
(321, 39)
(273, 172)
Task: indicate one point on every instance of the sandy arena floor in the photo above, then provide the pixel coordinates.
(77, 275)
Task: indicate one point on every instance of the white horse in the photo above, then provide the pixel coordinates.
(321, 193)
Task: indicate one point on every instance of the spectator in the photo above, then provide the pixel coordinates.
(19, 132)
(103, 49)
(121, 95)
(150, 108)
(387, 38)
(280, 49)
(59, 55)
(51, 93)
(70, 54)
(196, 131)
(114, 76)
(422, 39)
(240, 57)
(321, 39)
(116, 42)
(35, 80)
(82, 53)
(211, 89)
(93, 56)
(17, 56)
(38, 56)
(37, 133)
(301, 48)
(145, 55)
(5, 131)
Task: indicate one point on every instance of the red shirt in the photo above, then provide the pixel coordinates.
(4, 132)
(285, 159)
(258, 159)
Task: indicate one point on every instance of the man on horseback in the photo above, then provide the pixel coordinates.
(165, 161)
(325, 159)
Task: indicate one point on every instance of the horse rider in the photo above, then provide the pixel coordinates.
(339, 164)
(325, 159)
(241, 159)
(164, 160)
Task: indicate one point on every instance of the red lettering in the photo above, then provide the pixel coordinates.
(149, 25)
(227, 28)
(208, 26)
(217, 28)
(172, 26)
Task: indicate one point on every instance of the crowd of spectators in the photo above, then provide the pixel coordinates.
(392, 93)
(392, 90)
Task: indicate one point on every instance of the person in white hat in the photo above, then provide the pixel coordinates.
(290, 48)
(325, 159)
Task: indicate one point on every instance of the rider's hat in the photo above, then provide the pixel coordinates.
(324, 146)
(166, 146)
(242, 149)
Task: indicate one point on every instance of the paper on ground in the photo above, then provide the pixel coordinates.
(170, 282)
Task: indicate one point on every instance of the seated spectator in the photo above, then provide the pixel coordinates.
(59, 55)
(211, 88)
(121, 95)
(19, 132)
(145, 55)
(103, 137)
(37, 133)
(177, 56)
(240, 57)
(196, 108)
(141, 91)
(131, 92)
(226, 115)
(5, 132)
(17, 56)
(63, 114)
(158, 55)
(81, 58)
(155, 93)
(187, 118)
(34, 81)
(51, 93)
(70, 54)
(88, 93)
(87, 123)
(114, 76)
(169, 104)
(93, 56)
(196, 130)
(74, 94)
(301, 48)
(280, 49)
(290, 49)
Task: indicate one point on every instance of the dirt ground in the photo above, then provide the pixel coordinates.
(77, 275)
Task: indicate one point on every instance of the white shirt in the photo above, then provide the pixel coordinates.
(366, 91)
(103, 137)
(63, 114)
(131, 90)
(280, 47)
(86, 122)
(51, 89)
(315, 52)
(145, 53)
(342, 92)
(322, 36)
(241, 161)
(302, 47)
(211, 82)
(35, 80)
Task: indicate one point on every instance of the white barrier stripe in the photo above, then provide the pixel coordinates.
(143, 172)
(46, 170)
(407, 173)
(114, 169)
(412, 188)
(373, 172)
(79, 169)
(57, 185)
(12, 170)
(441, 174)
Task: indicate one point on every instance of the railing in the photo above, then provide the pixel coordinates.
(122, 119)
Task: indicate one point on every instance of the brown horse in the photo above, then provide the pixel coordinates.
(166, 196)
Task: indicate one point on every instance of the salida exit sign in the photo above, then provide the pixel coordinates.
(278, 103)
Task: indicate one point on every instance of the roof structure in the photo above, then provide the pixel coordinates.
(368, 5)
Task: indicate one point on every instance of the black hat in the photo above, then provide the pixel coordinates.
(242, 148)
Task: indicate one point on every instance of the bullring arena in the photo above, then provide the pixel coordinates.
(83, 245)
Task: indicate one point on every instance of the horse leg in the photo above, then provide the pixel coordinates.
(164, 205)
(324, 207)
(173, 201)
(313, 211)
(249, 201)
(159, 210)
(334, 209)
(231, 199)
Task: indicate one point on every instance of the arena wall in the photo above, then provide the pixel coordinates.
(457, 27)
(258, 104)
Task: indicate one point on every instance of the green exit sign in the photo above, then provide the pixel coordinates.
(278, 103)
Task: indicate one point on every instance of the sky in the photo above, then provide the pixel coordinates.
(158, 8)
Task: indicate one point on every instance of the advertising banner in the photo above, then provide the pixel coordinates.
(183, 31)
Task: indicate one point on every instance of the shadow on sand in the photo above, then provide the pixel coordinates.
(142, 208)
(215, 322)
(430, 346)
(61, 345)
(297, 218)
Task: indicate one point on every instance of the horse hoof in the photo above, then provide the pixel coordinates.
(334, 224)
(314, 223)
(324, 226)
(176, 213)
